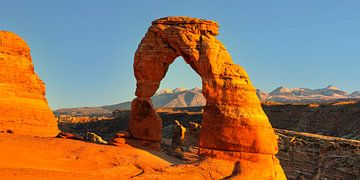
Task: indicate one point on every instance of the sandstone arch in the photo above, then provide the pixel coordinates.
(233, 119)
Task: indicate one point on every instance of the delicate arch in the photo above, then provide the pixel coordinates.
(233, 119)
(232, 111)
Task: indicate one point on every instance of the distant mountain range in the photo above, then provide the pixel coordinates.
(178, 97)
(306, 95)
(181, 97)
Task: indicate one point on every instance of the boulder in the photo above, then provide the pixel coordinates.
(92, 137)
(192, 134)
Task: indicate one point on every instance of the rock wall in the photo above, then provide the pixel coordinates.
(234, 125)
(311, 156)
(339, 119)
(23, 106)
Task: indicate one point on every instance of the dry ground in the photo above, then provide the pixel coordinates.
(26, 157)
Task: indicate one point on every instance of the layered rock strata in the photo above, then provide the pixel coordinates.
(312, 156)
(23, 106)
(340, 119)
(234, 124)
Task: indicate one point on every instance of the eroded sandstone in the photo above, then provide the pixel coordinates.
(234, 124)
(23, 107)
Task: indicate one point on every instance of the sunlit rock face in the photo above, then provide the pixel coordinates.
(23, 106)
(234, 123)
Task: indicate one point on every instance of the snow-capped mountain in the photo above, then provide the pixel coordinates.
(306, 95)
(181, 97)
(355, 94)
(281, 91)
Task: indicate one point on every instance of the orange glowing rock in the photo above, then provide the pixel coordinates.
(234, 123)
(23, 106)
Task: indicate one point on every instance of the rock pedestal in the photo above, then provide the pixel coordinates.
(234, 123)
(178, 135)
(23, 106)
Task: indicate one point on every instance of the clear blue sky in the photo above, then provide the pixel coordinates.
(83, 49)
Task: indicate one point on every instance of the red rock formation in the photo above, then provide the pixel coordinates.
(234, 124)
(23, 106)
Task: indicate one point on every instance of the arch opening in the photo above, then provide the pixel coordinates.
(180, 93)
(180, 75)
